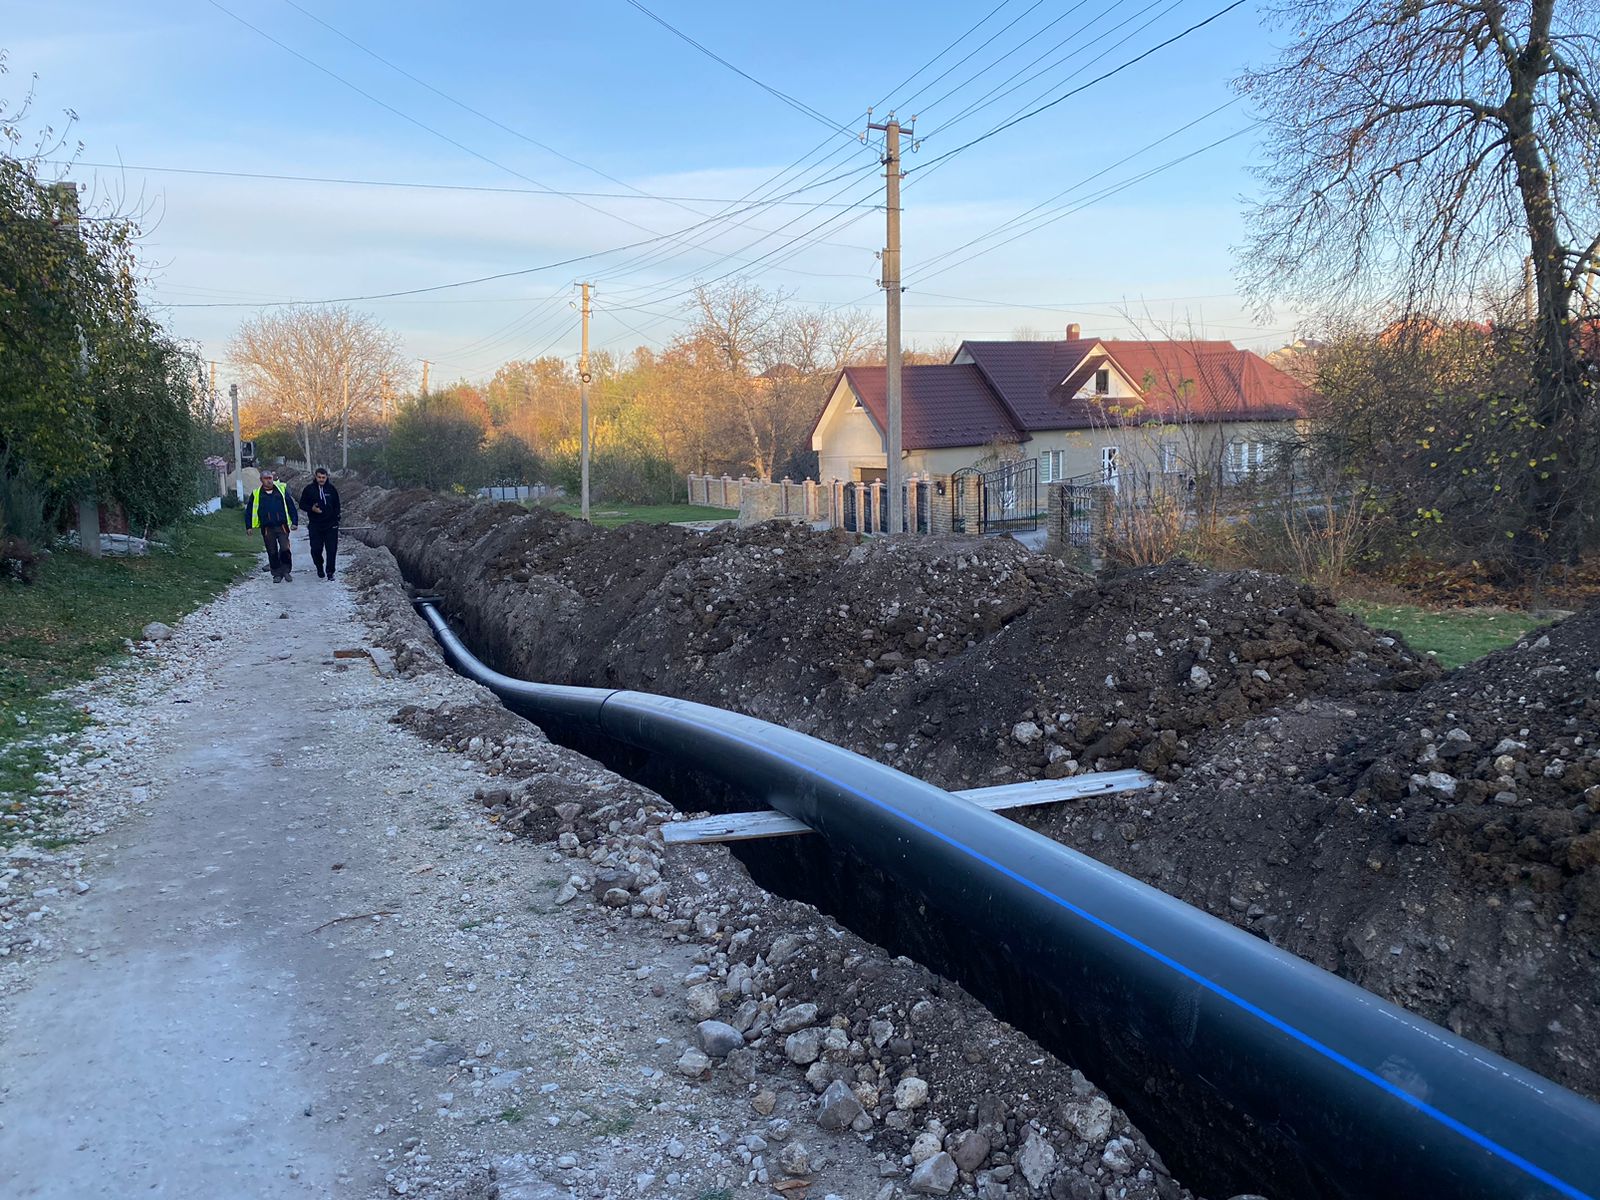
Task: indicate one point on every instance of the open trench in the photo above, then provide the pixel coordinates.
(1208, 1143)
(1216, 1119)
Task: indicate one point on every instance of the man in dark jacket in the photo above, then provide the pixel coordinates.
(320, 503)
(271, 509)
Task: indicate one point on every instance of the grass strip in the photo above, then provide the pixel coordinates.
(74, 619)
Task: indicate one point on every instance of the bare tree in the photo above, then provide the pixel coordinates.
(314, 368)
(1419, 151)
(766, 365)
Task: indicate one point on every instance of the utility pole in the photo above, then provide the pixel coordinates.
(583, 403)
(238, 457)
(425, 365)
(891, 291)
(344, 428)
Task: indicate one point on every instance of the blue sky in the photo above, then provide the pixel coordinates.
(184, 84)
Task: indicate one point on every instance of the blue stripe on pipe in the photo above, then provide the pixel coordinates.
(1255, 1010)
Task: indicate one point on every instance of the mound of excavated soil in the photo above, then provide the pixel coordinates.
(1439, 847)
(1430, 837)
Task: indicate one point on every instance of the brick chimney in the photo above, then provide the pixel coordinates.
(1074, 332)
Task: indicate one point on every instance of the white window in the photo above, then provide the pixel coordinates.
(1061, 464)
(1102, 382)
(1044, 467)
(1108, 465)
(1169, 457)
(1244, 457)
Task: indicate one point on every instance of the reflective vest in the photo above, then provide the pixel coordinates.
(255, 505)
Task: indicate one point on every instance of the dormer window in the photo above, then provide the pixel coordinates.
(1102, 382)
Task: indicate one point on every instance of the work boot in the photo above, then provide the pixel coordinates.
(320, 575)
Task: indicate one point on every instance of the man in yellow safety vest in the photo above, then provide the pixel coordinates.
(271, 509)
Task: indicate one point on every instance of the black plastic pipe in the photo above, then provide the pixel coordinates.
(1369, 1100)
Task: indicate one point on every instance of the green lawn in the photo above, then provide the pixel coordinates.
(72, 620)
(1455, 635)
(622, 514)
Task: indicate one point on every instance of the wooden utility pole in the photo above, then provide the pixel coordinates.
(238, 458)
(891, 291)
(583, 404)
(344, 428)
(425, 365)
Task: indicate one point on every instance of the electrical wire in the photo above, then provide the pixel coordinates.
(398, 183)
(1103, 194)
(1000, 89)
(963, 37)
(461, 104)
(439, 287)
(1083, 87)
(1004, 226)
(424, 126)
(797, 105)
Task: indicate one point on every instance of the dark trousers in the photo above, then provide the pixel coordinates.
(324, 540)
(276, 538)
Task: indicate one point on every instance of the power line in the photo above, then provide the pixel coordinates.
(398, 183)
(422, 125)
(970, 31)
(461, 104)
(439, 287)
(1020, 217)
(1065, 306)
(980, 47)
(1067, 95)
(1000, 89)
(1105, 193)
(798, 105)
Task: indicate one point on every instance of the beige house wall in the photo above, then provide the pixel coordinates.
(846, 438)
(1197, 448)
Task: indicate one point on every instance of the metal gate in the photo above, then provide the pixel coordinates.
(960, 501)
(1009, 497)
(1078, 517)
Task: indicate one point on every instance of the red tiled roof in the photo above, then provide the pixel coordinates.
(940, 405)
(1180, 381)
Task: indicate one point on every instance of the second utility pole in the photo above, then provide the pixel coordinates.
(891, 291)
(583, 404)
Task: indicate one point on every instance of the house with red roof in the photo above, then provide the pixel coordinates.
(1081, 407)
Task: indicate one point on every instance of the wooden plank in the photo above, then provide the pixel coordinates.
(741, 827)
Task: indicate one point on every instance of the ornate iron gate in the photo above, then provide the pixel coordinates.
(1079, 514)
(1009, 497)
(960, 501)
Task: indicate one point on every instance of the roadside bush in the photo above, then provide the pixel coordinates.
(436, 442)
(276, 443)
(22, 507)
(618, 476)
(508, 460)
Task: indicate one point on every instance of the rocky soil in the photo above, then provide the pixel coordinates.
(1429, 836)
